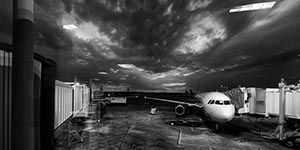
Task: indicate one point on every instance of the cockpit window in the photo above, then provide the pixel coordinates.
(227, 102)
(219, 102)
(211, 102)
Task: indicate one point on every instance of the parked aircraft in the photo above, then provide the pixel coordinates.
(216, 106)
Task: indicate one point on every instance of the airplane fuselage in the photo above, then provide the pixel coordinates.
(215, 105)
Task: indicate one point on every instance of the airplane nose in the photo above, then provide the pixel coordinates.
(228, 115)
(223, 115)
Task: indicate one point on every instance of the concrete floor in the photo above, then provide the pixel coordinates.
(132, 127)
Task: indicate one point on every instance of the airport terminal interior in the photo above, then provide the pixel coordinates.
(150, 74)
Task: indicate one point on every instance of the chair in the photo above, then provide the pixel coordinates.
(74, 133)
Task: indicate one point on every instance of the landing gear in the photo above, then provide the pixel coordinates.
(217, 127)
(297, 142)
(289, 143)
(213, 126)
(292, 142)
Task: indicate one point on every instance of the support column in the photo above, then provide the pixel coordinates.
(22, 82)
(281, 86)
(47, 105)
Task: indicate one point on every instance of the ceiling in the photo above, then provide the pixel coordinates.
(167, 45)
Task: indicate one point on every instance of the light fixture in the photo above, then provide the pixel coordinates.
(103, 73)
(70, 27)
(127, 66)
(251, 7)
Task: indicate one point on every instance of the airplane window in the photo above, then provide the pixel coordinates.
(227, 102)
(219, 102)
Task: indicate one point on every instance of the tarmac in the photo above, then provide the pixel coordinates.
(133, 127)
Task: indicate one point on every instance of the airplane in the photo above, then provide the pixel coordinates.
(216, 106)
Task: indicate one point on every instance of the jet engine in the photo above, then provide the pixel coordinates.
(180, 110)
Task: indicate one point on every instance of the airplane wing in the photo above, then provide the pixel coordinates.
(172, 101)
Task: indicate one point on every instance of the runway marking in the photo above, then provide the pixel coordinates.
(179, 136)
(127, 132)
(211, 147)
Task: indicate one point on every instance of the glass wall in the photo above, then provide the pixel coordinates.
(5, 97)
(6, 91)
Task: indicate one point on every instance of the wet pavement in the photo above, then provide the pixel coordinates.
(132, 127)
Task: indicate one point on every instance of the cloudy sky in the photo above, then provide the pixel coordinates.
(166, 45)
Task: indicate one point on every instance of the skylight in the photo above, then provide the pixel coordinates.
(173, 84)
(102, 73)
(127, 66)
(70, 27)
(251, 7)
